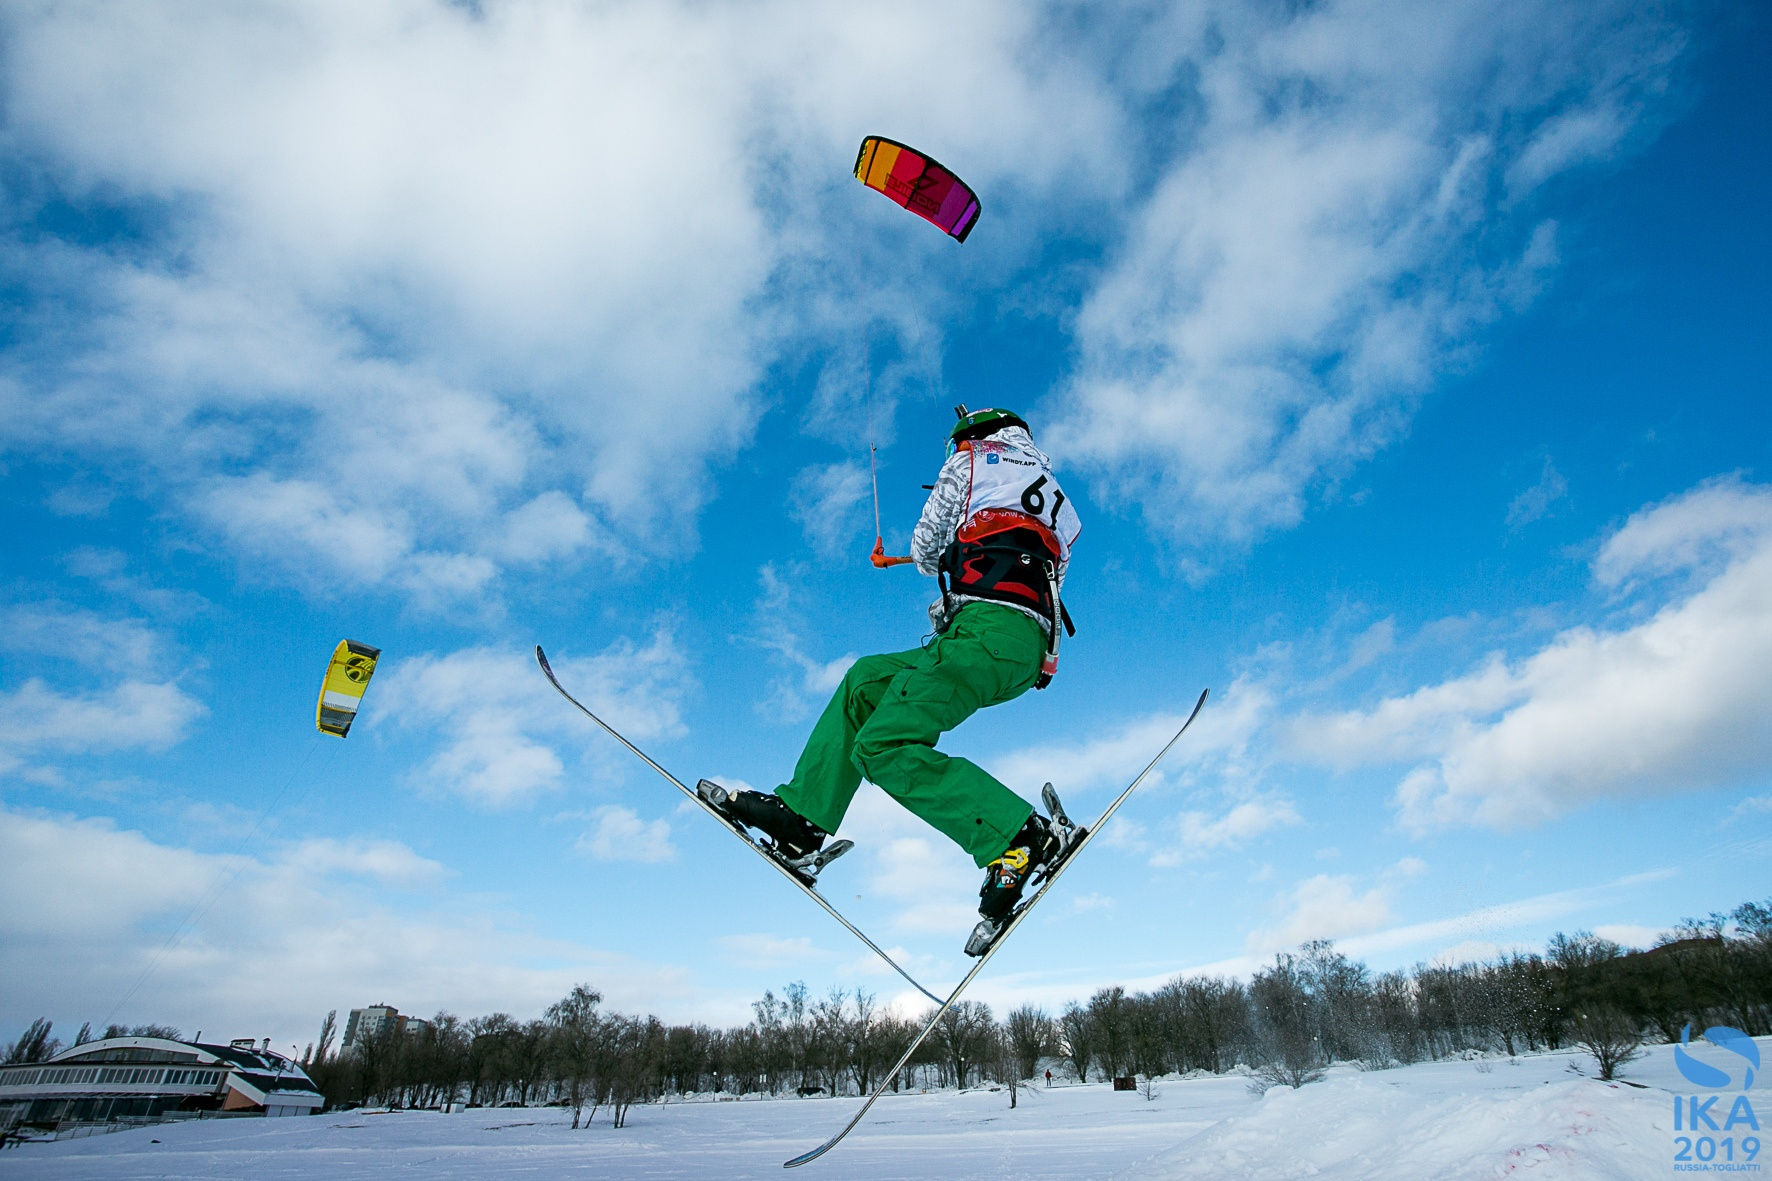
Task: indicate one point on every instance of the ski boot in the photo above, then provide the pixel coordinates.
(794, 842)
(1036, 852)
(793, 835)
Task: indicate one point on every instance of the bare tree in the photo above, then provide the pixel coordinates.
(328, 1031)
(1295, 1017)
(1213, 1023)
(34, 1044)
(871, 1039)
(1077, 1031)
(575, 1021)
(634, 1053)
(1608, 1033)
(445, 1042)
(1291, 1053)
(1031, 1036)
(964, 1035)
(488, 1069)
(1111, 1015)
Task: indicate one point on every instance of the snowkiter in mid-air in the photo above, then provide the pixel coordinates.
(997, 531)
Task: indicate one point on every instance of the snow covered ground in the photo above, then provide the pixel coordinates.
(1532, 1116)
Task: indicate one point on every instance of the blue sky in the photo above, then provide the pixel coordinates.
(1408, 369)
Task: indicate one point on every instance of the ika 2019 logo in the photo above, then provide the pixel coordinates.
(1715, 1141)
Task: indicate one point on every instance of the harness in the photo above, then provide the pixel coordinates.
(1005, 556)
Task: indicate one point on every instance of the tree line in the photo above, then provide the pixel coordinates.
(1285, 1025)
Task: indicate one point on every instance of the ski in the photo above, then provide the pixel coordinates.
(803, 871)
(1014, 920)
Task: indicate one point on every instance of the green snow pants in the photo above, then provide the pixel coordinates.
(885, 717)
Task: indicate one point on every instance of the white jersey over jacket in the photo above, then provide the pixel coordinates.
(1003, 471)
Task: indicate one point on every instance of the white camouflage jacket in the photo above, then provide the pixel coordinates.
(943, 514)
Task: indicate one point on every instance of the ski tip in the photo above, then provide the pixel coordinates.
(806, 1157)
(541, 658)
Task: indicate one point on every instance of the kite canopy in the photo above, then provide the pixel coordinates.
(347, 677)
(918, 183)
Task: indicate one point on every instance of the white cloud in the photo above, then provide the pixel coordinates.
(1376, 641)
(930, 885)
(1073, 768)
(288, 938)
(1719, 521)
(549, 527)
(829, 501)
(1216, 748)
(1332, 240)
(64, 635)
(755, 951)
(791, 700)
(502, 723)
(133, 715)
(438, 287)
(620, 835)
(1535, 502)
(1202, 834)
(1079, 769)
(117, 879)
(1472, 951)
(388, 862)
(933, 884)
(1323, 907)
(1630, 935)
(1593, 129)
(1496, 924)
(416, 291)
(138, 707)
(1670, 704)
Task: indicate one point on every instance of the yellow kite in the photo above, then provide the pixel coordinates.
(347, 677)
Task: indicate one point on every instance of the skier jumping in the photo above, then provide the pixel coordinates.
(997, 532)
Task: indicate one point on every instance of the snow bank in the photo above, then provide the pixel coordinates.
(1379, 1128)
(1530, 1117)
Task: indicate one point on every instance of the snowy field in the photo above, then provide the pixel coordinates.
(1531, 1117)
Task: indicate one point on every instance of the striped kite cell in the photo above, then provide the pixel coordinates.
(918, 183)
(347, 678)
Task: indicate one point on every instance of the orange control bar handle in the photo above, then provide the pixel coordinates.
(881, 559)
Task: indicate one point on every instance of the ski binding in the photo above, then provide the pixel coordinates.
(1069, 836)
(805, 868)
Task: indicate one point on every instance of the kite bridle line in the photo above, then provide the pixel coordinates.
(879, 557)
(867, 403)
(226, 877)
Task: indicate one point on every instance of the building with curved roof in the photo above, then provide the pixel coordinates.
(144, 1079)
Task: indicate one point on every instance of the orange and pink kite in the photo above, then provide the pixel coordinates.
(918, 183)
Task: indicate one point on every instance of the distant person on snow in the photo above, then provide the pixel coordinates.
(997, 532)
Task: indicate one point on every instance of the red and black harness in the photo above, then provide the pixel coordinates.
(1008, 557)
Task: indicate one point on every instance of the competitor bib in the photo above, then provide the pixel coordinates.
(1005, 476)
